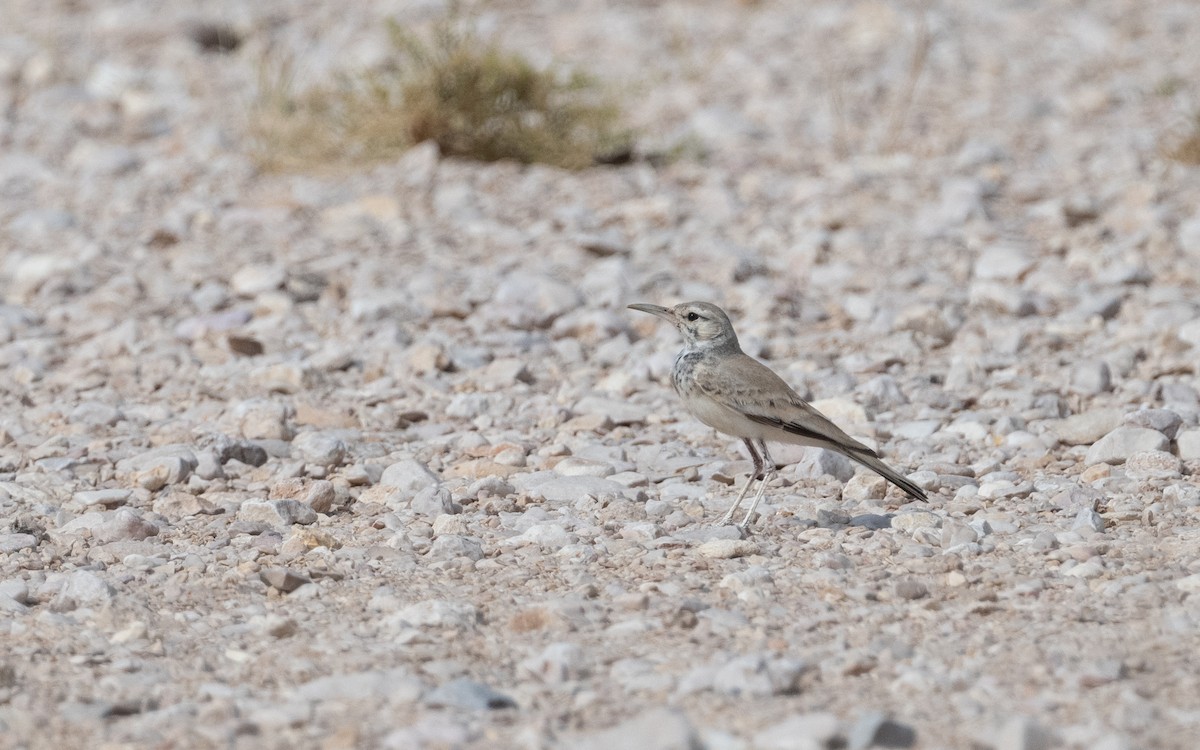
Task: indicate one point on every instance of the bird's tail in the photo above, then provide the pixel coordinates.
(873, 462)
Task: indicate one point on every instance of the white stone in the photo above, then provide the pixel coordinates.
(1188, 443)
(408, 475)
(1117, 446)
(724, 549)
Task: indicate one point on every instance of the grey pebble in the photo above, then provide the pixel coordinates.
(468, 694)
(832, 517)
(1163, 420)
(653, 729)
(106, 498)
(873, 521)
(439, 613)
(432, 502)
(276, 512)
(10, 543)
(398, 686)
(818, 462)
(408, 475)
(1088, 427)
(320, 448)
(283, 579)
(1088, 519)
(875, 729)
(556, 663)
(82, 588)
(1091, 378)
(814, 730)
(1188, 443)
(1117, 446)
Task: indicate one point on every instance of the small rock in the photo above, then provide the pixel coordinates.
(82, 588)
(159, 467)
(724, 549)
(276, 512)
(432, 502)
(1189, 333)
(1153, 465)
(955, 533)
(800, 732)
(572, 466)
(1164, 420)
(819, 462)
(617, 412)
(320, 448)
(1088, 519)
(873, 521)
(1086, 428)
(828, 518)
(397, 685)
(468, 694)
(15, 589)
(1189, 584)
(865, 486)
(439, 613)
(1117, 446)
(527, 300)
(874, 729)
(105, 498)
(10, 543)
(1002, 262)
(241, 451)
(208, 465)
(753, 675)
(408, 475)
(263, 419)
(911, 589)
(282, 579)
(451, 546)
(1188, 443)
(1091, 378)
(177, 504)
(570, 489)
(557, 663)
(493, 486)
(910, 521)
(318, 495)
(123, 525)
(654, 729)
(250, 281)
(1019, 733)
(842, 411)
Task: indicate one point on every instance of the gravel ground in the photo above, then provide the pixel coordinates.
(379, 459)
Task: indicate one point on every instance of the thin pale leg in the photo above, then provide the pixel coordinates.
(769, 463)
(757, 473)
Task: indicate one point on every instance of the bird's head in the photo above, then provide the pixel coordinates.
(703, 325)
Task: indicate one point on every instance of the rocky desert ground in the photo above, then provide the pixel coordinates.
(377, 458)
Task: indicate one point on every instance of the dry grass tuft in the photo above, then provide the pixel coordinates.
(470, 96)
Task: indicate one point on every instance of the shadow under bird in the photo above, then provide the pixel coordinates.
(736, 394)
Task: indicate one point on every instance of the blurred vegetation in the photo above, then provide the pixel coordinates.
(470, 96)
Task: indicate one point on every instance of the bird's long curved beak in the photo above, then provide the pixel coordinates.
(662, 312)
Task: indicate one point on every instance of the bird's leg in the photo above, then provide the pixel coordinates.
(769, 463)
(758, 468)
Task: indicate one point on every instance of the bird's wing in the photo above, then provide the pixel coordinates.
(746, 385)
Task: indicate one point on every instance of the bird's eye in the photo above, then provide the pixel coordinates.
(693, 316)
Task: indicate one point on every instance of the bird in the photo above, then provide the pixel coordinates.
(735, 394)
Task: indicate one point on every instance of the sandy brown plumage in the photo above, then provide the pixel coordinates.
(738, 395)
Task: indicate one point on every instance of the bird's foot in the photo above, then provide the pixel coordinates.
(725, 520)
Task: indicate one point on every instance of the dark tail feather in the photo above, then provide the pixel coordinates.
(872, 462)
